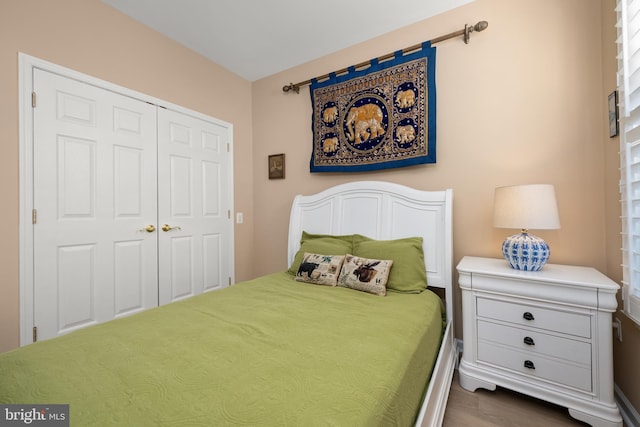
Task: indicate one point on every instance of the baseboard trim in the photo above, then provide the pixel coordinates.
(460, 345)
(629, 414)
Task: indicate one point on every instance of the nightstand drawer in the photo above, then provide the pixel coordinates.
(536, 343)
(535, 317)
(535, 366)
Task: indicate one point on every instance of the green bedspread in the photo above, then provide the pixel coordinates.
(267, 352)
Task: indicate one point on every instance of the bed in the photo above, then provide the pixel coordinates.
(280, 349)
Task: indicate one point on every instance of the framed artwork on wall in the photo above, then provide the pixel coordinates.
(613, 114)
(276, 166)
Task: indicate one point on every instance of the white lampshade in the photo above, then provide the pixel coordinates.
(526, 207)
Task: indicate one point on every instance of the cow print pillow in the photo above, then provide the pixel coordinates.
(363, 274)
(319, 269)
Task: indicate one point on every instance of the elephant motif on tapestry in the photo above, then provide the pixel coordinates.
(405, 134)
(330, 114)
(364, 123)
(330, 145)
(405, 98)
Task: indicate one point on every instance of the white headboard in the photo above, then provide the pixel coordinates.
(382, 210)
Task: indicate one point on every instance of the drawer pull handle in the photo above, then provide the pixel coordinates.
(529, 341)
(529, 364)
(527, 316)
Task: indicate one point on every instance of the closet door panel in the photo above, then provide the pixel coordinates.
(180, 187)
(193, 203)
(212, 269)
(76, 282)
(129, 275)
(95, 165)
(182, 281)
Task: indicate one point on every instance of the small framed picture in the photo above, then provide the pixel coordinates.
(613, 114)
(276, 166)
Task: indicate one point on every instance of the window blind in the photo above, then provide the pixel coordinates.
(628, 41)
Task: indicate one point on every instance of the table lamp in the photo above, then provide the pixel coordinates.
(526, 207)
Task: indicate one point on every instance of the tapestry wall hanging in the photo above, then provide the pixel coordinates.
(380, 117)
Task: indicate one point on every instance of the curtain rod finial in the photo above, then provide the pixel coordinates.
(480, 26)
(291, 86)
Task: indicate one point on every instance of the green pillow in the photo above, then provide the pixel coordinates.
(408, 273)
(321, 244)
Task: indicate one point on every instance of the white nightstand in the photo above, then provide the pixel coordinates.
(543, 333)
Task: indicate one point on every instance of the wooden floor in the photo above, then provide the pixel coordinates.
(501, 407)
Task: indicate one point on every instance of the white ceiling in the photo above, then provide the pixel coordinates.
(258, 38)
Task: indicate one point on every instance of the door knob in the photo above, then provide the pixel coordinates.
(167, 227)
(149, 228)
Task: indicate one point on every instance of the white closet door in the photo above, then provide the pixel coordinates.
(194, 201)
(94, 191)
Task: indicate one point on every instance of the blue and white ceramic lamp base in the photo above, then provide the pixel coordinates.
(525, 252)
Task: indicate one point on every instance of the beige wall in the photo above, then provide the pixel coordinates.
(524, 102)
(90, 37)
(514, 106)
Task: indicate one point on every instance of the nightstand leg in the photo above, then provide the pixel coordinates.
(615, 421)
(471, 383)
